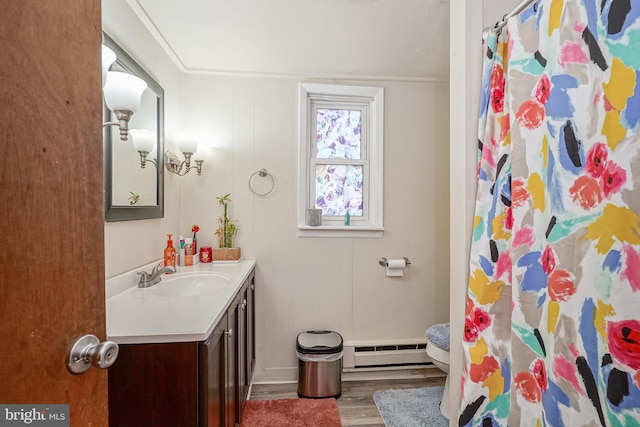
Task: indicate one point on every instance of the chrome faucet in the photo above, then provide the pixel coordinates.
(150, 279)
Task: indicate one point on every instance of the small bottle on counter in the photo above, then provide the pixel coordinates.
(169, 253)
(188, 246)
(181, 258)
(188, 251)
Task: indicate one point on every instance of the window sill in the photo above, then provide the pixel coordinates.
(370, 232)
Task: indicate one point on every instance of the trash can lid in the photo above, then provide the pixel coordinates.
(319, 342)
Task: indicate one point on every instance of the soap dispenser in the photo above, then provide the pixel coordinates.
(170, 253)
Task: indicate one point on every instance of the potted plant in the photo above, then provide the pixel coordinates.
(227, 229)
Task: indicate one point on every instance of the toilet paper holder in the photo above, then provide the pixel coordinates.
(383, 261)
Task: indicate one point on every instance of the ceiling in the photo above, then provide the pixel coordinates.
(399, 39)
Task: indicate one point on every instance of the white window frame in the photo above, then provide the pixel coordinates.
(340, 97)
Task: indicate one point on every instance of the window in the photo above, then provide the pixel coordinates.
(341, 130)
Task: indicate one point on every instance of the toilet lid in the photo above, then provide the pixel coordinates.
(438, 335)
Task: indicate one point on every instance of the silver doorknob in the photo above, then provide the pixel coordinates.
(88, 351)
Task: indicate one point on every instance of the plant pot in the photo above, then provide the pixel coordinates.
(226, 254)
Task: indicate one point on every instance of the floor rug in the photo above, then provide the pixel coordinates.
(291, 413)
(411, 407)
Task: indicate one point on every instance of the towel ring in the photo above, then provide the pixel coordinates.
(261, 173)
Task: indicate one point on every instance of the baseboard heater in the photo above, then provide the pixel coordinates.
(389, 356)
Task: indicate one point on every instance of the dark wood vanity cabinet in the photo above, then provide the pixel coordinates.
(188, 384)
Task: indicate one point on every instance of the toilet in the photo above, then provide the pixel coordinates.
(438, 350)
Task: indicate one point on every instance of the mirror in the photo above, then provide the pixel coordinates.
(133, 192)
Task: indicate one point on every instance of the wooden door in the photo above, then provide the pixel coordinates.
(51, 203)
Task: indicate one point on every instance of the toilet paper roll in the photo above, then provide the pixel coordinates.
(396, 263)
(395, 267)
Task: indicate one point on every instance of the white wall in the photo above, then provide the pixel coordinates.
(303, 283)
(320, 283)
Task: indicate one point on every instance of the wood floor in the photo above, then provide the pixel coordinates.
(356, 404)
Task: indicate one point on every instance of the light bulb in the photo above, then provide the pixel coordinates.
(123, 91)
(188, 143)
(143, 140)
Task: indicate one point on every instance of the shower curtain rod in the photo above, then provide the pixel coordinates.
(500, 24)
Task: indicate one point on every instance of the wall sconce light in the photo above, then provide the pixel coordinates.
(188, 145)
(122, 92)
(144, 142)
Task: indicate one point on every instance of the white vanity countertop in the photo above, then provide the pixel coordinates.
(138, 316)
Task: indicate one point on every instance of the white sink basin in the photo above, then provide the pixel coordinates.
(189, 284)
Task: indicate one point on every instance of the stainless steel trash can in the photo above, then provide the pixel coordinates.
(319, 364)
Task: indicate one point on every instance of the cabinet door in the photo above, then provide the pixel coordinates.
(242, 348)
(251, 327)
(213, 377)
(232, 389)
(155, 385)
(249, 354)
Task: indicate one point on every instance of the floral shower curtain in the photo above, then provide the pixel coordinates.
(552, 327)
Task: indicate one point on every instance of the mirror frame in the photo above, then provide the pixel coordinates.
(127, 213)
